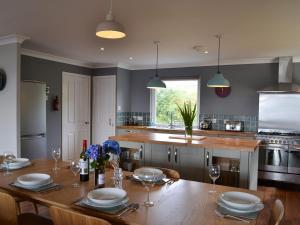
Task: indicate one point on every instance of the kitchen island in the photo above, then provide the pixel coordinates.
(237, 157)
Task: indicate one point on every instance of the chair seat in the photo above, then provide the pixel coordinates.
(33, 219)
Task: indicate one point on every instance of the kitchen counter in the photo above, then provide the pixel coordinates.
(238, 144)
(195, 131)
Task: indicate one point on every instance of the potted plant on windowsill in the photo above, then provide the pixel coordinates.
(188, 114)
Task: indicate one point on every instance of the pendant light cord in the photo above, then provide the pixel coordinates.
(109, 15)
(219, 37)
(156, 70)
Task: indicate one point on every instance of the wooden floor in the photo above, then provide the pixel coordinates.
(290, 199)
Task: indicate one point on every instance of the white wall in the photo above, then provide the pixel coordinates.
(10, 99)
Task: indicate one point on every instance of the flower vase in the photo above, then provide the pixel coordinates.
(100, 177)
(188, 132)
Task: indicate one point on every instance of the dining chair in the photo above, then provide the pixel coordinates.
(62, 216)
(277, 212)
(9, 216)
(171, 174)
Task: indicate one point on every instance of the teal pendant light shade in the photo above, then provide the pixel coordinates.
(218, 80)
(156, 82)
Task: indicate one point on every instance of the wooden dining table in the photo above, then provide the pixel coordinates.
(182, 203)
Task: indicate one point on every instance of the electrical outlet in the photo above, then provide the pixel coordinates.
(214, 120)
(119, 108)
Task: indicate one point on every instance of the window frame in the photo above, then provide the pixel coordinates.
(153, 100)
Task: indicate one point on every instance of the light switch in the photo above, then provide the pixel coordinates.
(119, 108)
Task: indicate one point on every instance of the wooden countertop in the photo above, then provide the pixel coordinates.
(238, 144)
(195, 131)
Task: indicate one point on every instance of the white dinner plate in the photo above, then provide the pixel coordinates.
(34, 186)
(148, 172)
(88, 202)
(18, 162)
(107, 196)
(19, 166)
(255, 208)
(239, 200)
(32, 179)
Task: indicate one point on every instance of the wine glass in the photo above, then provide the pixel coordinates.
(8, 158)
(214, 173)
(75, 168)
(56, 152)
(148, 180)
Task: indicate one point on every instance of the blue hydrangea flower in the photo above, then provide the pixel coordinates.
(92, 152)
(112, 147)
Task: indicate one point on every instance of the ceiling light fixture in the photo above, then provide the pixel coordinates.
(218, 79)
(102, 49)
(110, 29)
(156, 82)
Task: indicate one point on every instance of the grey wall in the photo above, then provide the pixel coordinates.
(123, 85)
(245, 81)
(50, 72)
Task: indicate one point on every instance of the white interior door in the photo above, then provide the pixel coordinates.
(104, 108)
(76, 104)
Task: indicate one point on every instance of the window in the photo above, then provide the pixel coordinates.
(164, 101)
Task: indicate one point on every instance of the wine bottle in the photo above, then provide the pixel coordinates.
(84, 163)
(100, 173)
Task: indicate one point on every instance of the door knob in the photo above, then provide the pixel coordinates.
(86, 123)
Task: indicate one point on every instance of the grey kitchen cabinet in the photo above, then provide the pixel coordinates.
(189, 162)
(159, 155)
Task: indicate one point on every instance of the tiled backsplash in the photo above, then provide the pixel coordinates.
(143, 119)
(250, 122)
(140, 118)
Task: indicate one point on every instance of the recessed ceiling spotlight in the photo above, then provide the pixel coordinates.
(130, 58)
(101, 49)
(200, 49)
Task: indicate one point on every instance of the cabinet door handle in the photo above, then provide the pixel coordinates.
(175, 155)
(141, 152)
(207, 158)
(109, 121)
(169, 154)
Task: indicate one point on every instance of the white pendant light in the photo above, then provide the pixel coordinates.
(110, 29)
(218, 79)
(156, 82)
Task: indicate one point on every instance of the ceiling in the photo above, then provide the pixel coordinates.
(251, 29)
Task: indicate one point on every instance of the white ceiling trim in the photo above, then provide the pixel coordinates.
(223, 62)
(75, 62)
(13, 38)
(55, 58)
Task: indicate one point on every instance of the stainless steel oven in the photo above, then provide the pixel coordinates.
(274, 158)
(294, 159)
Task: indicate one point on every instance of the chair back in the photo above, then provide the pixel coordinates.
(277, 212)
(61, 216)
(171, 174)
(8, 209)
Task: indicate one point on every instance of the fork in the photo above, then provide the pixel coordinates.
(130, 207)
(230, 216)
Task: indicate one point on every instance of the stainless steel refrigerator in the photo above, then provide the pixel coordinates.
(33, 120)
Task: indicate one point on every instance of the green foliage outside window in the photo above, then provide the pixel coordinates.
(168, 98)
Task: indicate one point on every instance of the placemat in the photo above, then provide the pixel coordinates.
(250, 216)
(112, 211)
(49, 187)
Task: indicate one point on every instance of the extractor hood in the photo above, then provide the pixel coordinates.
(285, 78)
